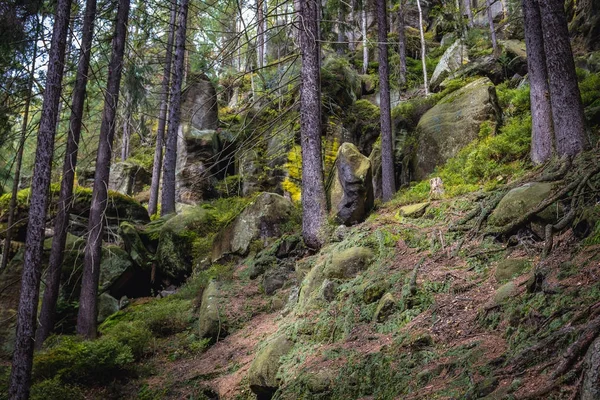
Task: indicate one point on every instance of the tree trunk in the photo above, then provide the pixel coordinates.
(168, 192)
(352, 36)
(20, 376)
(492, 28)
(162, 118)
(590, 385)
(541, 111)
(387, 152)
(88, 300)
(47, 314)
(126, 133)
(313, 191)
(340, 34)
(567, 109)
(265, 29)
(19, 158)
(423, 48)
(260, 38)
(402, 44)
(364, 35)
(469, 11)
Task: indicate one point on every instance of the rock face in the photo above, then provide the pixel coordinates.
(198, 142)
(262, 374)
(454, 57)
(260, 220)
(523, 199)
(128, 178)
(351, 195)
(375, 159)
(209, 318)
(453, 123)
(348, 263)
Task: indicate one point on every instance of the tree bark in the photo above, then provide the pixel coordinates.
(88, 300)
(260, 38)
(402, 43)
(423, 48)
(469, 11)
(19, 158)
(542, 134)
(364, 35)
(126, 133)
(20, 377)
(492, 28)
(567, 109)
(387, 152)
(47, 314)
(162, 118)
(313, 190)
(168, 192)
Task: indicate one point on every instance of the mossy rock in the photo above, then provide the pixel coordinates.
(261, 220)
(351, 194)
(412, 211)
(116, 268)
(135, 246)
(502, 294)
(522, 200)
(210, 321)
(509, 268)
(262, 375)
(346, 264)
(453, 58)
(128, 178)
(453, 123)
(107, 306)
(385, 308)
(174, 252)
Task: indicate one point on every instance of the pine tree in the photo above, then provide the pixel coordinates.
(22, 361)
(313, 190)
(88, 301)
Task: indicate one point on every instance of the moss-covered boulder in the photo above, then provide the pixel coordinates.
(346, 264)
(135, 246)
(502, 294)
(210, 320)
(262, 375)
(128, 178)
(351, 194)
(107, 306)
(385, 308)
(117, 270)
(454, 57)
(262, 220)
(375, 159)
(511, 267)
(524, 199)
(174, 252)
(412, 210)
(453, 123)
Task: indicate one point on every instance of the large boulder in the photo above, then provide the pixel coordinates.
(351, 194)
(210, 321)
(199, 107)
(263, 219)
(454, 57)
(347, 263)
(262, 374)
(128, 178)
(453, 123)
(523, 199)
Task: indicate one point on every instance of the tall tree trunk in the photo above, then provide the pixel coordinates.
(20, 376)
(19, 158)
(265, 29)
(364, 35)
(469, 11)
(168, 192)
(260, 38)
(340, 34)
(541, 111)
(402, 43)
(162, 118)
(88, 300)
(126, 132)
(313, 191)
(423, 48)
(387, 152)
(47, 314)
(492, 28)
(567, 109)
(352, 36)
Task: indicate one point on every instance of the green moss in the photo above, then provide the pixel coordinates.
(340, 83)
(55, 389)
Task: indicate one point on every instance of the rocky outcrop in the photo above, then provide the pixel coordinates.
(453, 123)
(375, 159)
(262, 374)
(260, 220)
(199, 105)
(454, 57)
(522, 200)
(128, 178)
(351, 194)
(210, 323)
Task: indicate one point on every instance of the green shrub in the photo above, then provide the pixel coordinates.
(589, 86)
(134, 334)
(83, 362)
(55, 389)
